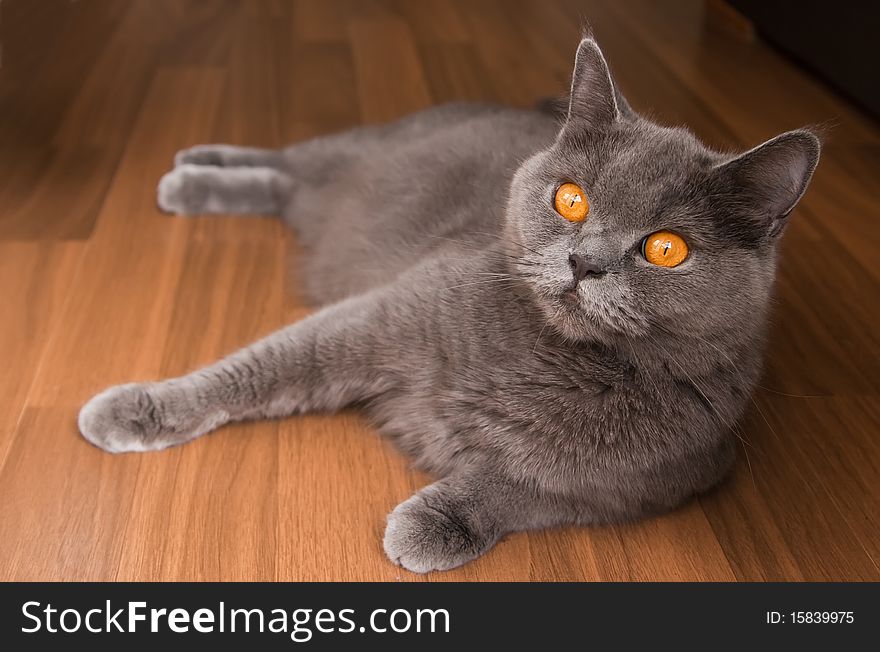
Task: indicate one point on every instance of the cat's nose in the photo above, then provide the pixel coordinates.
(582, 268)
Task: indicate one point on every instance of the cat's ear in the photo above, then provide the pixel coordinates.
(593, 98)
(770, 179)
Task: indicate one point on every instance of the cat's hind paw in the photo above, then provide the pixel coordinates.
(200, 155)
(183, 191)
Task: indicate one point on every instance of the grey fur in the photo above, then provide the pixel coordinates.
(452, 317)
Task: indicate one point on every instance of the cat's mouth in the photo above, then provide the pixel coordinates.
(577, 296)
(570, 296)
(593, 313)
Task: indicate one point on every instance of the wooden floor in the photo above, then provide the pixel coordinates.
(98, 287)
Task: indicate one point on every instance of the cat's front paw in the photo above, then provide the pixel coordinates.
(122, 419)
(183, 190)
(429, 532)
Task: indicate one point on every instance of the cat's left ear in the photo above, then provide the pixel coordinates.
(770, 179)
(593, 100)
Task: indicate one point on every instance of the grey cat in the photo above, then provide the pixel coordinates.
(549, 371)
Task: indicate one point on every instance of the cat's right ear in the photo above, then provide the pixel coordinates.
(593, 100)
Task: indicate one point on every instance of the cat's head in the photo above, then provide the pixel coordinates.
(661, 231)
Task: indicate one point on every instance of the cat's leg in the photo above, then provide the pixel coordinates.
(460, 517)
(229, 156)
(192, 189)
(323, 362)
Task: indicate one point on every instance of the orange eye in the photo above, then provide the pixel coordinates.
(664, 248)
(571, 203)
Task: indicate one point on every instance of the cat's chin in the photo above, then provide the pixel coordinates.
(571, 320)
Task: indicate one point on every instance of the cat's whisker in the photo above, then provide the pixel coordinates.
(748, 461)
(498, 240)
(501, 260)
(776, 391)
(761, 412)
(546, 324)
(483, 282)
(519, 244)
(696, 386)
(479, 252)
(635, 357)
(751, 398)
(732, 364)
